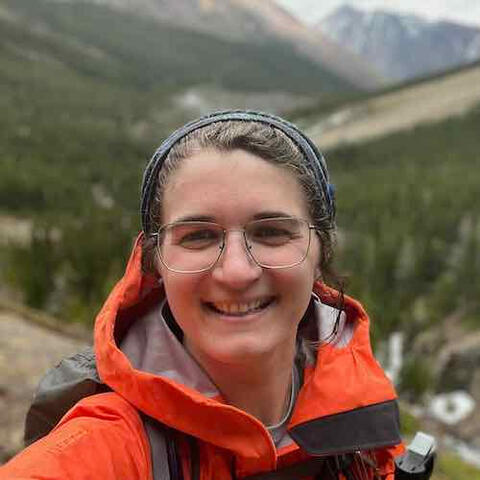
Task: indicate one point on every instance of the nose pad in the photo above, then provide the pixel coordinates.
(236, 263)
(245, 247)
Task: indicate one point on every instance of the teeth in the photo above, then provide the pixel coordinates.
(237, 308)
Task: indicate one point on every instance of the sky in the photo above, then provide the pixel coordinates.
(463, 11)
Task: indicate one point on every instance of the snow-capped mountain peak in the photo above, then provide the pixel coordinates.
(400, 45)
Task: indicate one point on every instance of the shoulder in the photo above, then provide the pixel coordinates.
(101, 437)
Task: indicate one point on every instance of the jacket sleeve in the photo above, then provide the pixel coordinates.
(386, 461)
(101, 437)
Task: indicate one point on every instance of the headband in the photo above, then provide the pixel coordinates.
(314, 159)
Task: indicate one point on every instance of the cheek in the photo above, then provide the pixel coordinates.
(179, 299)
(182, 292)
(298, 284)
(175, 289)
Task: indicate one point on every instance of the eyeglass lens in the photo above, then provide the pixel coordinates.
(196, 246)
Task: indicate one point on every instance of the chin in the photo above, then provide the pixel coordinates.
(241, 350)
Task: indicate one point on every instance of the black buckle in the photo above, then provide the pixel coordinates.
(418, 461)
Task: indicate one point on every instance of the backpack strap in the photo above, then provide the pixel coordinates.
(165, 461)
(59, 390)
(76, 377)
(309, 468)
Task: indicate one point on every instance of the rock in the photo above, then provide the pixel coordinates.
(27, 351)
(454, 353)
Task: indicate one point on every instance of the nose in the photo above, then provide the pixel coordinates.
(235, 267)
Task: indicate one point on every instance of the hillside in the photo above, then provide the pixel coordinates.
(250, 21)
(400, 108)
(80, 81)
(130, 50)
(411, 148)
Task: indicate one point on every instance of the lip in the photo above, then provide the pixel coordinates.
(239, 310)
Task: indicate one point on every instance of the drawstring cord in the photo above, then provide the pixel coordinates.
(194, 458)
(233, 468)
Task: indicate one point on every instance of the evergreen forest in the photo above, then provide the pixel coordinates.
(408, 218)
(409, 224)
(83, 111)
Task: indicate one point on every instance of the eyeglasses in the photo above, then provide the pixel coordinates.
(194, 246)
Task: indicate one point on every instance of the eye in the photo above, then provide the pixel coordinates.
(273, 233)
(195, 237)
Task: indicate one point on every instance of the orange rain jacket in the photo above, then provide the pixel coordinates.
(346, 403)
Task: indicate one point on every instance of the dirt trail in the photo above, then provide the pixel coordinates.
(400, 110)
(27, 350)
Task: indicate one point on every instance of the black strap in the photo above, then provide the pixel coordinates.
(311, 467)
(194, 458)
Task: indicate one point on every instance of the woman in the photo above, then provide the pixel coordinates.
(223, 328)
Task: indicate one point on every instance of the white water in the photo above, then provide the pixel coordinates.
(395, 356)
(448, 408)
(451, 408)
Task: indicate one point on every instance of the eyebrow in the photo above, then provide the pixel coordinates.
(257, 216)
(196, 218)
(271, 214)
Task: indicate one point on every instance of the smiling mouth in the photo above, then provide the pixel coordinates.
(238, 309)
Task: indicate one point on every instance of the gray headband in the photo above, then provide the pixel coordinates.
(314, 159)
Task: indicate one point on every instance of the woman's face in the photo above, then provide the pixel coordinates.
(231, 189)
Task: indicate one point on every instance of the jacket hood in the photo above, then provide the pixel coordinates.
(343, 388)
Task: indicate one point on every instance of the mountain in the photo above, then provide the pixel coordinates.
(108, 43)
(315, 45)
(402, 46)
(252, 22)
(82, 81)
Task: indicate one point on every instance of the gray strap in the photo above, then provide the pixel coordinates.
(158, 448)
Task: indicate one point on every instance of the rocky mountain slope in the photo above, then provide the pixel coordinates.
(154, 51)
(402, 46)
(252, 21)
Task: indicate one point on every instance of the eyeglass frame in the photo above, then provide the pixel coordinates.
(248, 247)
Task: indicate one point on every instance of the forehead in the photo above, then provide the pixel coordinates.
(230, 186)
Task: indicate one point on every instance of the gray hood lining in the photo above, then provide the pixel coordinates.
(152, 347)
